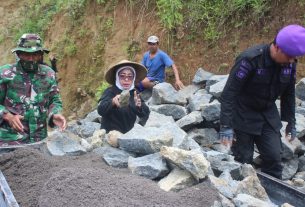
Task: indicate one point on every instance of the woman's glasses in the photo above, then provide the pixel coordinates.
(126, 77)
(151, 43)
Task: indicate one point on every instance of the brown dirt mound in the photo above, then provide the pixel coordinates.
(37, 179)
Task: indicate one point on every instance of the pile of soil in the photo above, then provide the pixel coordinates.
(38, 179)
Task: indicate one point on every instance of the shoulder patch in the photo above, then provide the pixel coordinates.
(243, 70)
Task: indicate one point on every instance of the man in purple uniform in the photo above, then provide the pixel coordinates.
(260, 75)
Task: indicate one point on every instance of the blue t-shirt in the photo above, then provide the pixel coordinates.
(156, 66)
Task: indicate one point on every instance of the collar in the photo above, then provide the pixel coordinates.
(269, 62)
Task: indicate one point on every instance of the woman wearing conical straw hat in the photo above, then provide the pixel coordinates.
(118, 116)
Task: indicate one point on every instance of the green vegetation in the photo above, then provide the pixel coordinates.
(1, 37)
(76, 9)
(211, 19)
(101, 1)
(132, 49)
(38, 14)
(70, 48)
(169, 12)
(100, 90)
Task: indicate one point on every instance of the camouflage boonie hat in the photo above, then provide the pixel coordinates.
(30, 43)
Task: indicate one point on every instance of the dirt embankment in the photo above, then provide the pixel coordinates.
(130, 25)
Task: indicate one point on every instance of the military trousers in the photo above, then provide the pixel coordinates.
(269, 146)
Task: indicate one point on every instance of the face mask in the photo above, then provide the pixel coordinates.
(29, 66)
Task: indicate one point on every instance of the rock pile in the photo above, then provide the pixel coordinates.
(178, 147)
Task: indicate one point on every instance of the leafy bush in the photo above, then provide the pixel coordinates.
(76, 8)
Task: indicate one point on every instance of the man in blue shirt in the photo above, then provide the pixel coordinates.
(155, 60)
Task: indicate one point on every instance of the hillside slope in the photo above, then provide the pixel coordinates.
(87, 43)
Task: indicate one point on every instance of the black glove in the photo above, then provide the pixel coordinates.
(291, 132)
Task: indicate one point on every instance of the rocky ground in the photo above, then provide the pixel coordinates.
(37, 179)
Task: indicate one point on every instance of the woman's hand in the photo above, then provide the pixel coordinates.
(137, 100)
(116, 101)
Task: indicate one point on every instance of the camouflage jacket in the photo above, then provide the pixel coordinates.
(34, 96)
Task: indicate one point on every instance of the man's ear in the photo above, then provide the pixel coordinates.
(277, 48)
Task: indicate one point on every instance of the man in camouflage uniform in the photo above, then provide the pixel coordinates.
(29, 96)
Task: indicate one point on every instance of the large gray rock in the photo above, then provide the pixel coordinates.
(247, 170)
(150, 166)
(224, 202)
(165, 93)
(217, 88)
(113, 156)
(201, 76)
(146, 140)
(221, 162)
(64, 143)
(211, 111)
(300, 110)
(173, 110)
(179, 136)
(188, 91)
(215, 79)
(97, 138)
(83, 128)
(290, 168)
(301, 166)
(244, 200)
(251, 186)
(177, 180)
(225, 185)
(300, 125)
(193, 161)
(300, 89)
(290, 149)
(93, 116)
(198, 100)
(124, 98)
(157, 120)
(205, 137)
(192, 144)
(190, 120)
(300, 175)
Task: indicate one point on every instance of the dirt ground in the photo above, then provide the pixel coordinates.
(37, 179)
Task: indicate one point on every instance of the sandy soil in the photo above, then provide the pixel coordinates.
(37, 179)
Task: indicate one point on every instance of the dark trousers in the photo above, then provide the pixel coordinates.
(269, 146)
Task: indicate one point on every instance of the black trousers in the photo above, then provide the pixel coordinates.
(269, 145)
